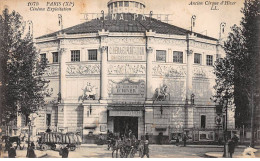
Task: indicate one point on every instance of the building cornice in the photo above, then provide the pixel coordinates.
(126, 34)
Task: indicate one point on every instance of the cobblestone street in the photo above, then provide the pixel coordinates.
(156, 151)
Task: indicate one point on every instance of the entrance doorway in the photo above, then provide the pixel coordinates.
(122, 125)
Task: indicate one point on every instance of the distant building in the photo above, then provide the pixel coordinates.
(132, 73)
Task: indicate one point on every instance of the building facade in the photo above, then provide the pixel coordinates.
(129, 71)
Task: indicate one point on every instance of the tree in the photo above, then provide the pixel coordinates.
(238, 72)
(22, 87)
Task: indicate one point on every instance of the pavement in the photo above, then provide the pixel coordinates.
(156, 151)
(168, 145)
(22, 154)
(238, 154)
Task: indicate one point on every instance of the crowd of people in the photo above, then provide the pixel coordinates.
(129, 141)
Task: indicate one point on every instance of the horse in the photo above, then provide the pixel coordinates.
(88, 94)
(119, 144)
(161, 93)
(11, 140)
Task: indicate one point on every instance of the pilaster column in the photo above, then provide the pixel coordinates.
(62, 122)
(149, 63)
(189, 69)
(104, 79)
(189, 74)
(62, 80)
(188, 117)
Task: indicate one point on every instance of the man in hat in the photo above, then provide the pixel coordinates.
(1, 149)
(184, 139)
(11, 152)
(231, 147)
(146, 149)
(65, 152)
(30, 151)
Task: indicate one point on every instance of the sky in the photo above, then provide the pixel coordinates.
(207, 20)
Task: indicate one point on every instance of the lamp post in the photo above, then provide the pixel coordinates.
(225, 109)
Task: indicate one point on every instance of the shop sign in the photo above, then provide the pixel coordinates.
(126, 113)
(126, 53)
(128, 102)
(125, 17)
(127, 87)
(206, 135)
(218, 120)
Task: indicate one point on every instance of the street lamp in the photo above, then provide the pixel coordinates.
(225, 109)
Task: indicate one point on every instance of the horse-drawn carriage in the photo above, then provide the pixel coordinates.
(127, 148)
(16, 140)
(51, 140)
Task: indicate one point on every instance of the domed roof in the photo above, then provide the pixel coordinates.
(140, 1)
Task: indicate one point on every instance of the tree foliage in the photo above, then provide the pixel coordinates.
(22, 87)
(238, 72)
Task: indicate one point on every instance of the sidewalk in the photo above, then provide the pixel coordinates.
(220, 155)
(238, 154)
(22, 154)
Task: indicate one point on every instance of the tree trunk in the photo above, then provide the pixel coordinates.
(251, 100)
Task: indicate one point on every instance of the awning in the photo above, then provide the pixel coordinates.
(93, 126)
(160, 128)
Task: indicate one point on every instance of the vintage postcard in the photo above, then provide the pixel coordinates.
(125, 79)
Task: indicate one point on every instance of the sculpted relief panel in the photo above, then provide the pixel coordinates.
(52, 70)
(202, 45)
(122, 69)
(48, 44)
(169, 70)
(82, 41)
(82, 69)
(167, 41)
(125, 40)
(202, 72)
(199, 72)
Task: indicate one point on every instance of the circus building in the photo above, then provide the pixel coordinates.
(127, 70)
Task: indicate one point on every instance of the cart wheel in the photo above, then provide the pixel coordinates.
(53, 147)
(122, 152)
(132, 153)
(140, 152)
(44, 147)
(72, 148)
(21, 147)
